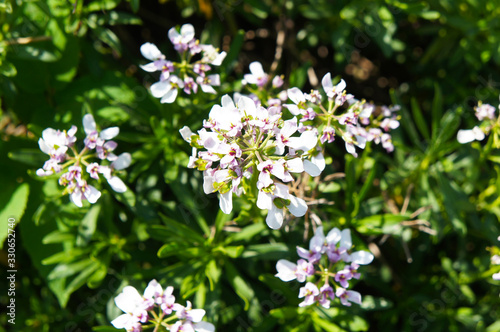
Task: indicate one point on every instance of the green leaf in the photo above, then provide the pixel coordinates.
(13, 211)
(240, 286)
(419, 119)
(326, 325)
(8, 69)
(368, 183)
(221, 220)
(375, 303)
(65, 270)
(58, 237)
(101, 5)
(117, 18)
(286, 313)
(381, 224)
(109, 38)
(88, 225)
(32, 157)
(437, 109)
(213, 273)
(178, 228)
(170, 249)
(231, 251)
(81, 279)
(64, 256)
(268, 251)
(247, 233)
(98, 276)
(494, 327)
(127, 198)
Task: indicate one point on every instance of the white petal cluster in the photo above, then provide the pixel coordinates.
(138, 310)
(186, 75)
(75, 169)
(340, 266)
(244, 146)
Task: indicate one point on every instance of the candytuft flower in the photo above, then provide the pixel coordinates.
(75, 168)
(186, 75)
(331, 258)
(140, 309)
(241, 142)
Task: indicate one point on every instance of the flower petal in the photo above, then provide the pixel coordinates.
(286, 270)
(128, 299)
(123, 161)
(346, 241)
(92, 194)
(274, 218)
(204, 327)
(465, 136)
(159, 89)
(297, 206)
(226, 202)
(333, 236)
(169, 97)
(109, 133)
(354, 296)
(362, 257)
(117, 184)
(89, 123)
(150, 51)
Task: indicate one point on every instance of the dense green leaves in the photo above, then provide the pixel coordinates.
(429, 211)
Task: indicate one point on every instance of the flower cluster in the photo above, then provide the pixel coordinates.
(486, 114)
(251, 149)
(331, 259)
(155, 308)
(186, 74)
(248, 147)
(75, 167)
(357, 122)
(257, 83)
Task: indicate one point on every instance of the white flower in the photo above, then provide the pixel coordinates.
(467, 136)
(257, 76)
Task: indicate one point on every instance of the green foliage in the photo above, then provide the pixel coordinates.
(428, 211)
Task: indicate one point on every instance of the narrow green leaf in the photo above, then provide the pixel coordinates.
(247, 233)
(213, 273)
(32, 157)
(109, 38)
(180, 229)
(437, 110)
(240, 286)
(170, 249)
(58, 237)
(88, 225)
(419, 119)
(12, 212)
(381, 224)
(98, 276)
(231, 251)
(66, 270)
(326, 325)
(221, 220)
(267, 251)
(406, 122)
